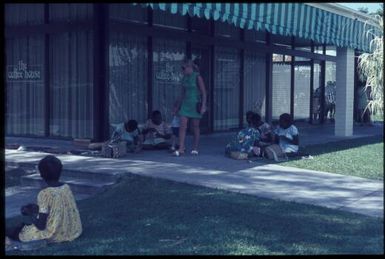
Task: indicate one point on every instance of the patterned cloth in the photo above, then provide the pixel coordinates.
(191, 98)
(290, 132)
(265, 129)
(243, 141)
(63, 222)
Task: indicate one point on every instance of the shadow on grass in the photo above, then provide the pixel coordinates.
(147, 216)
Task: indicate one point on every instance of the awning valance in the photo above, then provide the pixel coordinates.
(287, 19)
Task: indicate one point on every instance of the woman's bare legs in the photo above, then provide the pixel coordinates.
(182, 133)
(196, 130)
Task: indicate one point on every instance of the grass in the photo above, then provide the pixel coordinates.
(148, 216)
(363, 157)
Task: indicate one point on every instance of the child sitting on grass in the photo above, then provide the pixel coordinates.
(55, 217)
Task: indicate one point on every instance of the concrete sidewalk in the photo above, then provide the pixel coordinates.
(212, 169)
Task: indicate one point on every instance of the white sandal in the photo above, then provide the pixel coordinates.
(194, 152)
(177, 153)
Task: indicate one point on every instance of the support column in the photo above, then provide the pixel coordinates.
(344, 92)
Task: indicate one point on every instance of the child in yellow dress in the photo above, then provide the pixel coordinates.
(55, 217)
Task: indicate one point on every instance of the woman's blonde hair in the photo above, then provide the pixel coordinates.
(192, 64)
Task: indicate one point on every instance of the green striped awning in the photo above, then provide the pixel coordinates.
(287, 19)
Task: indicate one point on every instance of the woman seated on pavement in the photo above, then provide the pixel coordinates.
(55, 217)
(286, 135)
(156, 132)
(242, 144)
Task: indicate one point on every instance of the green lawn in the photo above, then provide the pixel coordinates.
(147, 216)
(362, 157)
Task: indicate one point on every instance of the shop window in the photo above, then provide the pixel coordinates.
(226, 89)
(331, 50)
(70, 12)
(168, 58)
(302, 89)
(166, 19)
(330, 90)
(128, 78)
(281, 86)
(24, 14)
(71, 82)
(254, 84)
(316, 93)
(318, 48)
(25, 103)
(128, 12)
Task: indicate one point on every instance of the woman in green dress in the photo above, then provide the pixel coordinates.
(193, 94)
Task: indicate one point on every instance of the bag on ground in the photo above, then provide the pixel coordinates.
(114, 150)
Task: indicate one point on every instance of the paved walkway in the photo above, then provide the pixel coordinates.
(212, 169)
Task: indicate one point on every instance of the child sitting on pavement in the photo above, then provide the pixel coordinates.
(241, 146)
(286, 135)
(130, 133)
(156, 132)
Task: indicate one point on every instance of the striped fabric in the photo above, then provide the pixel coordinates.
(287, 19)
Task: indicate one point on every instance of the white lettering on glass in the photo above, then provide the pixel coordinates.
(23, 73)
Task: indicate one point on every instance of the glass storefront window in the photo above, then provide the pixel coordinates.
(226, 89)
(318, 48)
(168, 56)
(70, 12)
(166, 19)
(25, 104)
(128, 78)
(330, 90)
(127, 12)
(254, 97)
(281, 87)
(331, 50)
(71, 82)
(316, 93)
(23, 14)
(301, 89)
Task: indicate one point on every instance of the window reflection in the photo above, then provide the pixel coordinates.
(168, 56)
(226, 89)
(128, 78)
(254, 84)
(301, 89)
(281, 86)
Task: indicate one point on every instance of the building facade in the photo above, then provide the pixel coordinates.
(72, 70)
